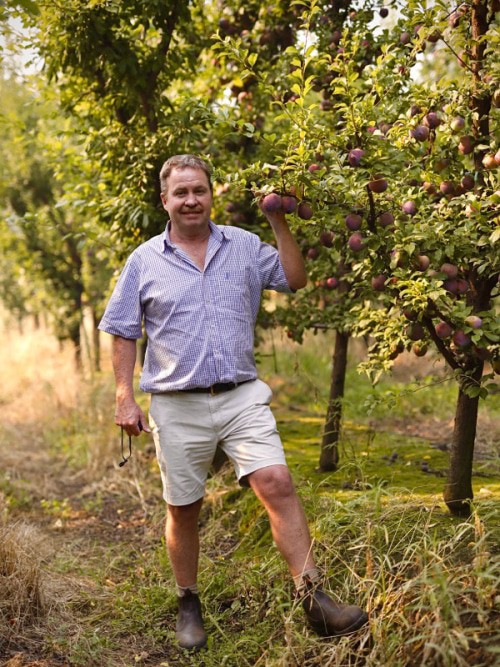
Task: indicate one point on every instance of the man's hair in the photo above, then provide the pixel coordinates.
(185, 161)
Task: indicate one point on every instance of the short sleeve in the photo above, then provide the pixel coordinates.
(271, 270)
(123, 314)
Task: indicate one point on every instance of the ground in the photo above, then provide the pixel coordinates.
(95, 529)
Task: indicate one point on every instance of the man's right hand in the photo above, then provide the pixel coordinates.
(130, 417)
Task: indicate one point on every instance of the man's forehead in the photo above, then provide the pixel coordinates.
(187, 176)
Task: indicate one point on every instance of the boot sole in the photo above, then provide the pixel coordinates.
(360, 623)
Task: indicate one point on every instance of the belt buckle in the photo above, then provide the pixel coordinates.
(212, 390)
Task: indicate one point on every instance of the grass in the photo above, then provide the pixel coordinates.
(89, 580)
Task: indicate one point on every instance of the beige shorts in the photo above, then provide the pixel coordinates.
(187, 427)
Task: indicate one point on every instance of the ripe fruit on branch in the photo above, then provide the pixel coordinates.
(326, 238)
(378, 184)
(467, 182)
(420, 133)
(449, 270)
(356, 242)
(419, 350)
(466, 144)
(410, 314)
(461, 339)
(415, 331)
(304, 211)
(447, 187)
(434, 37)
(396, 350)
(332, 282)
(353, 221)
(313, 167)
(489, 161)
(312, 253)
(355, 157)
(422, 262)
(409, 207)
(457, 123)
(385, 219)
(378, 282)
(413, 110)
(451, 286)
(432, 120)
(443, 330)
(474, 321)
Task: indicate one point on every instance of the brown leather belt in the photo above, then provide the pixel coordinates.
(217, 388)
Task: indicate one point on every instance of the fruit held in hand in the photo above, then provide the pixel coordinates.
(271, 203)
(288, 204)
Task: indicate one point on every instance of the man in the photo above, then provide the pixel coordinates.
(197, 288)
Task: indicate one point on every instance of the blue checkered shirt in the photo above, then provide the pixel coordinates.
(200, 324)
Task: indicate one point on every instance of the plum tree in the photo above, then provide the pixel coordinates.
(425, 185)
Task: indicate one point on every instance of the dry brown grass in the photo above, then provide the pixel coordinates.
(22, 599)
(37, 373)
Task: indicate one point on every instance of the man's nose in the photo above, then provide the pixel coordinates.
(191, 199)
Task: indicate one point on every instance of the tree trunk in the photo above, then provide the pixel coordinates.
(143, 346)
(458, 492)
(75, 338)
(96, 340)
(329, 456)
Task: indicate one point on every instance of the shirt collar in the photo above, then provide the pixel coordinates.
(216, 233)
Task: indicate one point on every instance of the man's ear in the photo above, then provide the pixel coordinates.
(163, 199)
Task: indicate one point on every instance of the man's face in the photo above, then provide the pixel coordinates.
(188, 199)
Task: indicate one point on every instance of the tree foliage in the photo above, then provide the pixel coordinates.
(380, 120)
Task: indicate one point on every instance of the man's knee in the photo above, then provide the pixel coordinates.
(273, 482)
(184, 514)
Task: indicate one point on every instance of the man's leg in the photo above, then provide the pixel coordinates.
(183, 545)
(274, 487)
(181, 532)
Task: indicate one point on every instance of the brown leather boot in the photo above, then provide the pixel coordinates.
(329, 618)
(189, 630)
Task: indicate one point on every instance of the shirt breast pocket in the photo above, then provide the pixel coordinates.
(233, 290)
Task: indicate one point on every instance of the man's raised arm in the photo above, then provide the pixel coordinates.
(288, 249)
